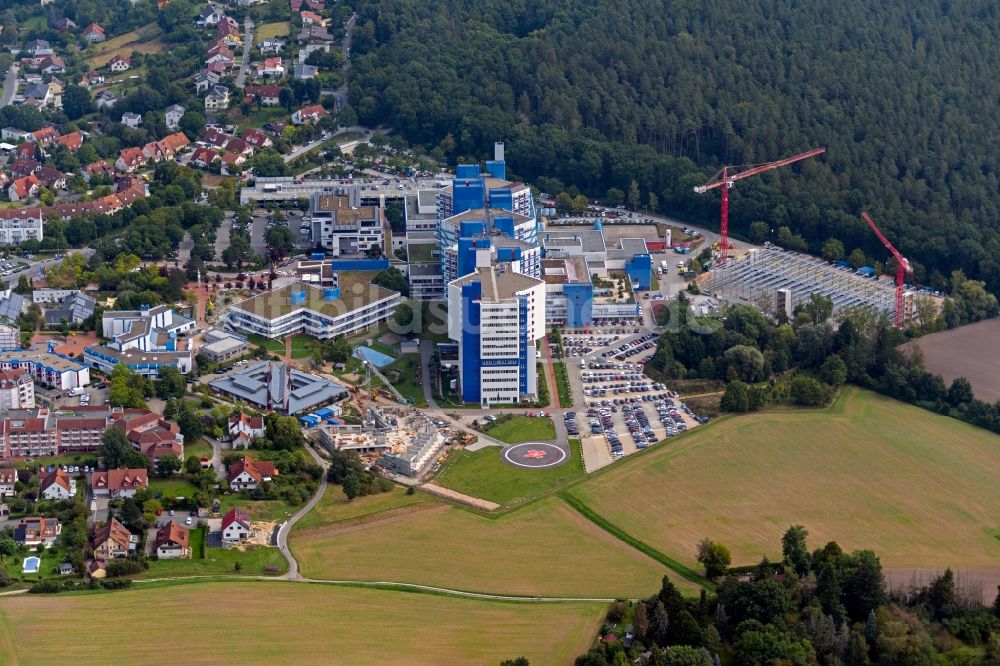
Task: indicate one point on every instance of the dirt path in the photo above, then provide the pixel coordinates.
(468, 500)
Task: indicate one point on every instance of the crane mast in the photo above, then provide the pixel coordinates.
(902, 267)
(726, 177)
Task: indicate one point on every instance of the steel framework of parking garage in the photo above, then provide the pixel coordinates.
(775, 279)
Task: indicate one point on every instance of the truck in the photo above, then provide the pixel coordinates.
(664, 266)
(77, 391)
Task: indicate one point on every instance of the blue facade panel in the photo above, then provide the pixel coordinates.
(471, 362)
(504, 224)
(467, 171)
(522, 346)
(579, 304)
(501, 199)
(640, 270)
(467, 194)
(497, 169)
(467, 253)
(508, 254)
(359, 264)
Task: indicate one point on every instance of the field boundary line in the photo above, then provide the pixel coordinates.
(681, 570)
(392, 586)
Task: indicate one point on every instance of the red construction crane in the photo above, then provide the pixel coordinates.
(725, 180)
(902, 267)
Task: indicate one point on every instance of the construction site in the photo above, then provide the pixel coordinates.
(396, 437)
(777, 280)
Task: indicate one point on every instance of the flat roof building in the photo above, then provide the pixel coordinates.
(355, 304)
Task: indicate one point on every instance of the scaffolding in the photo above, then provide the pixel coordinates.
(770, 276)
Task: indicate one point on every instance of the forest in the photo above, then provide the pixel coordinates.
(823, 606)
(591, 95)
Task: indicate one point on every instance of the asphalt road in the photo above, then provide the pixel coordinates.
(9, 86)
(285, 529)
(340, 94)
(241, 78)
(36, 268)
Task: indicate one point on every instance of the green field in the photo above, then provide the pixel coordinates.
(519, 429)
(545, 549)
(273, 346)
(919, 489)
(294, 622)
(334, 507)
(269, 30)
(483, 474)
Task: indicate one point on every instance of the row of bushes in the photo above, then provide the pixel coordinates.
(56, 586)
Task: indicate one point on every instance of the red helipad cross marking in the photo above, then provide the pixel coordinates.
(535, 453)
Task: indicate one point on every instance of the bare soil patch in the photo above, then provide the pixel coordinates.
(967, 351)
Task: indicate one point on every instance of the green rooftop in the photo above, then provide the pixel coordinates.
(356, 292)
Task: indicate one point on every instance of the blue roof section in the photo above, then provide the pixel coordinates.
(376, 358)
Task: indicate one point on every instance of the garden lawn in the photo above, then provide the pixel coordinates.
(484, 474)
(303, 346)
(269, 30)
(206, 561)
(173, 487)
(520, 428)
(406, 628)
(80, 459)
(273, 346)
(544, 549)
(200, 448)
(918, 488)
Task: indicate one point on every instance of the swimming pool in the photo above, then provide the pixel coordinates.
(376, 358)
(31, 565)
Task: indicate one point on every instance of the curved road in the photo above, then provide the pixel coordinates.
(286, 527)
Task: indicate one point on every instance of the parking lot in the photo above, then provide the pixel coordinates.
(621, 410)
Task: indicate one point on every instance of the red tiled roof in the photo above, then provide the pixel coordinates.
(257, 469)
(171, 532)
(58, 477)
(71, 141)
(235, 514)
(119, 479)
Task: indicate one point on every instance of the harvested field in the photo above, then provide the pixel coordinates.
(967, 351)
(919, 489)
(545, 549)
(401, 627)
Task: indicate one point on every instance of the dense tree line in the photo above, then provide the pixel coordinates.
(595, 94)
(821, 607)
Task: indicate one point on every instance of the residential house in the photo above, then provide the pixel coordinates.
(105, 99)
(97, 568)
(271, 67)
(228, 31)
(52, 64)
(271, 45)
(316, 5)
(64, 25)
(239, 147)
(24, 166)
(205, 79)
(315, 34)
(17, 389)
(50, 177)
(130, 159)
(203, 157)
(217, 99)
(120, 482)
(172, 116)
(269, 94)
(120, 63)
(100, 169)
(236, 526)
(243, 429)
(94, 33)
(255, 138)
(57, 485)
(215, 137)
(71, 141)
(249, 474)
(38, 47)
(308, 114)
(8, 477)
(171, 542)
(23, 188)
(111, 542)
(209, 17)
(305, 72)
(233, 161)
(28, 150)
(44, 94)
(44, 136)
(35, 531)
(12, 133)
(311, 18)
(133, 120)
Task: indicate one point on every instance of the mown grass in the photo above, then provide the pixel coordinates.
(516, 429)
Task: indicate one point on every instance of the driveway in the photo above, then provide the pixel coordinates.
(9, 86)
(286, 527)
(241, 78)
